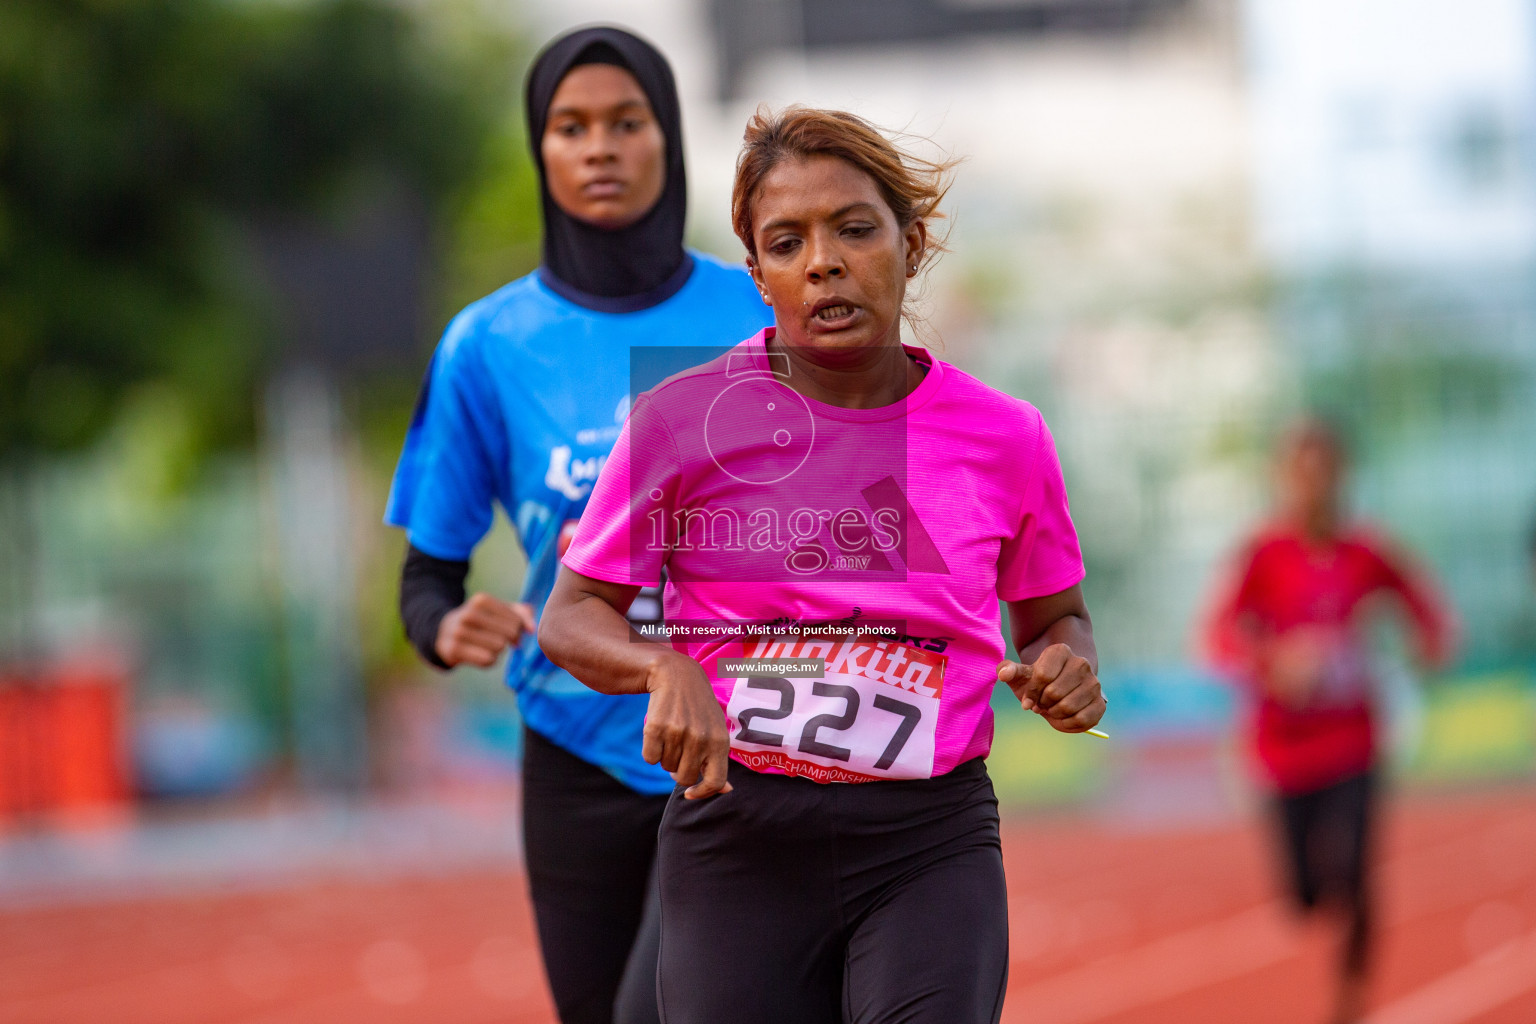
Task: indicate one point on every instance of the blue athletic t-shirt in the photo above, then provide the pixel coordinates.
(521, 404)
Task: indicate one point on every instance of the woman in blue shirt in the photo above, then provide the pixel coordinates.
(520, 407)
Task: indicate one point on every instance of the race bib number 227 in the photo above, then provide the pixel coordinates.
(870, 714)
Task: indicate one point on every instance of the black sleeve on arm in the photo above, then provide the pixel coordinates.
(429, 589)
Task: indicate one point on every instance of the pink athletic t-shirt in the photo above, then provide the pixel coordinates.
(860, 553)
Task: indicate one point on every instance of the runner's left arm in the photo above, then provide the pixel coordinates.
(1056, 675)
(1433, 622)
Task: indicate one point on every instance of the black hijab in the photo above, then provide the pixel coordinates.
(629, 268)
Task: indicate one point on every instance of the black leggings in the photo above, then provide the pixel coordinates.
(590, 843)
(1326, 838)
(788, 900)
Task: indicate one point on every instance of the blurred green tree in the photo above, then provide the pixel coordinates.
(140, 139)
(150, 151)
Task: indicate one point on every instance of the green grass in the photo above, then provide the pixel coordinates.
(1478, 728)
(1032, 764)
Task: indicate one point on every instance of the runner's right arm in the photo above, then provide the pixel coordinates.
(452, 466)
(584, 632)
(430, 588)
(444, 627)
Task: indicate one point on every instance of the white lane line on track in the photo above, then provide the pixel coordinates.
(1161, 969)
(1196, 958)
(1469, 991)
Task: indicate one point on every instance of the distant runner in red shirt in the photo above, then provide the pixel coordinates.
(1290, 623)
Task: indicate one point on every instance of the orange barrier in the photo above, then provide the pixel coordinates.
(63, 739)
(15, 748)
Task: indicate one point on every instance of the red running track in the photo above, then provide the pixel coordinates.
(1107, 928)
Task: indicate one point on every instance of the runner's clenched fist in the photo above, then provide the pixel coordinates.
(1059, 686)
(477, 631)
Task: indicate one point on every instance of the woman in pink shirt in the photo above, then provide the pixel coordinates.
(839, 515)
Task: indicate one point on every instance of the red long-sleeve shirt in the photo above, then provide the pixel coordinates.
(1285, 583)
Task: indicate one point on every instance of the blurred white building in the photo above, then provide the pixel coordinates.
(1393, 133)
(1395, 195)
